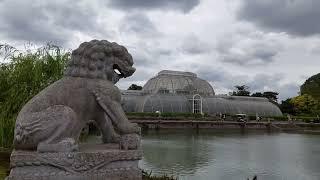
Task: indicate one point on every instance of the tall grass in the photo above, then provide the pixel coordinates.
(22, 75)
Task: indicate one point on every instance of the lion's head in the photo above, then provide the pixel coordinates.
(100, 60)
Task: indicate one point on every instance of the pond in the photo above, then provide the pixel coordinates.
(207, 154)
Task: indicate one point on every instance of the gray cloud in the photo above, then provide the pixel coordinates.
(298, 17)
(150, 55)
(140, 24)
(222, 79)
(315, 49)
(45, 21)
(247, 49)
(208, 40)
(193, 45)
(181, 5)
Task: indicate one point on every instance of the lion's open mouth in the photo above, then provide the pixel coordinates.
(122, 70)
(117, 70)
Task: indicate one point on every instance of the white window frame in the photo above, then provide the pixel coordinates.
(195, 108)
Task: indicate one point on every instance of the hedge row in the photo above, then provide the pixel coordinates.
(166, 114)
(192, 115)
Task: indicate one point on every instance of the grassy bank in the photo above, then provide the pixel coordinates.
(148, 176)
(184, 116)
(4, 163)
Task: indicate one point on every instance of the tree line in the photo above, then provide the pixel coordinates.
(243, 90)
(304, 104)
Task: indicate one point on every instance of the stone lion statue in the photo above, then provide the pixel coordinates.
(54, 118)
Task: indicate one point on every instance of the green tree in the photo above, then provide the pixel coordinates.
(135, 87)
(312, 87)
(257, 94)
(242, 90)
(287, 106)
(273, 96)
(24, 74)
(305, 104)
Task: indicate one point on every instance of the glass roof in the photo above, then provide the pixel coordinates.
(172, 91)
(177, 82)
(210, 105)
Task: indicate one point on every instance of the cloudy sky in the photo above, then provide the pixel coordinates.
(265, 44)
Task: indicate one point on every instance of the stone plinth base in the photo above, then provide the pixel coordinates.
(92, 162)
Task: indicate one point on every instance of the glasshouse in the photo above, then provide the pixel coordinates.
(184, 92)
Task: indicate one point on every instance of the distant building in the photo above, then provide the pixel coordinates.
(176, 91)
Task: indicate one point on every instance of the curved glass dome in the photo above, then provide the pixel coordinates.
(210, 105)
(174, 91)
(177, 82)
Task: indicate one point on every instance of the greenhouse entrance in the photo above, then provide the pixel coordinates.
(197, 104)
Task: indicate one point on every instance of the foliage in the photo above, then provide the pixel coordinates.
(166, 114)
(135, 87)
(242, 90)
(287, 107)
(142, 114)
(24, 75)
(279, 118)
(257, 94)
(148, 176)
(312, 87)
(272, 96)
(305, 104)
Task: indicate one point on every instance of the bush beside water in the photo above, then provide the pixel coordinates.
(183, 116)
(25, 74)
(148, 176)
(166, 115)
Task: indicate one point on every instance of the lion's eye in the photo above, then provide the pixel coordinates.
(117, 71)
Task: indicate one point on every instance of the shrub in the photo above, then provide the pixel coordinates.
(24, 75)
(167, 115)
(148, 176)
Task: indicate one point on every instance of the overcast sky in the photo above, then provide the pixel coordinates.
(265, 44)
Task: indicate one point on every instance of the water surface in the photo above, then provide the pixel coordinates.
(211, 155)
(207, 154)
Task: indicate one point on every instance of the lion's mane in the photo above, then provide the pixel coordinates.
(95, 58)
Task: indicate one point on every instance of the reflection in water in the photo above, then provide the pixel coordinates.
(4, 164)
(185, 154)
(211, 155)
(208, 154)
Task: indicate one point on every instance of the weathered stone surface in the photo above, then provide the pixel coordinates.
(91, 162)
(55, 117)
(130, 141)
(49, 125)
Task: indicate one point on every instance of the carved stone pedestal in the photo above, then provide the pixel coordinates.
(92, 162)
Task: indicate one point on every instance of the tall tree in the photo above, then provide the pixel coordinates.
(287, 106)
(135, 87)
(273, 96)
(257, 94)
(312, 87)
(242, 90)
(305, 104)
